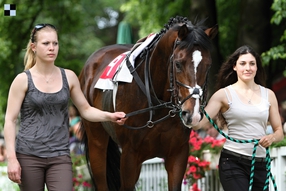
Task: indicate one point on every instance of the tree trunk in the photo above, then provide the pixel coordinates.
(255, 28)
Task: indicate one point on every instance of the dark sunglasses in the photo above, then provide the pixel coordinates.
(39, 27)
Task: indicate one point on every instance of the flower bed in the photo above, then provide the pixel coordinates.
(81, 177)
(202, 153)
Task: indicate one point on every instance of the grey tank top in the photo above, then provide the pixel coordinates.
(246, 122)
(44, 125)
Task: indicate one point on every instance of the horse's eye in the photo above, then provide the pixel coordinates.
(178, 66)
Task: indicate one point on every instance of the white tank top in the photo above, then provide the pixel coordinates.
(246, 122)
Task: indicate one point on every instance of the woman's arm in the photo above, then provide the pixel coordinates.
(16, 96)
(218, 102)
(87, 112)
(275, 121)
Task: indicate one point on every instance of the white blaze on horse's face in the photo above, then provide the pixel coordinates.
(196, 117)
(197, 58)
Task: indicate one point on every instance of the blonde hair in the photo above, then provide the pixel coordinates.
(30, 57)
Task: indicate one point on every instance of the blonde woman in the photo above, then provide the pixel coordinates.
(40, 154)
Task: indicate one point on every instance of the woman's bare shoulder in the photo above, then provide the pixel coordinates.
(20, 83)
(70, 74)
(20, 78)
(219, 94)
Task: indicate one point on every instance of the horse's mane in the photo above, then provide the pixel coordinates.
(197, 35)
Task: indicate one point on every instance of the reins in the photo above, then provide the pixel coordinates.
(154, 103)
(146, 90)
(255, 141)
(174, 104)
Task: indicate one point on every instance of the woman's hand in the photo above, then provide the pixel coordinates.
(267, 140)
(118, 117)
(14, 170)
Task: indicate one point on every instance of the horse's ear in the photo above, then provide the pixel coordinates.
(183, 32)
(212, 32)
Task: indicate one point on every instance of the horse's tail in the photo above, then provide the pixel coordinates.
(112, 163)
(85, 143)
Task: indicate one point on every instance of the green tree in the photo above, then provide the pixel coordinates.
(235, 19)
(151, 15)
(86, 25)
(77, 22)
(240, 22)
(277, 53)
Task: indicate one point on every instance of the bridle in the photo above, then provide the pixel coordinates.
(175, 103)
(196, 92)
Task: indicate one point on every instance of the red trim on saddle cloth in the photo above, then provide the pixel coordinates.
(106, 79)
(112, 67)
(117, 71)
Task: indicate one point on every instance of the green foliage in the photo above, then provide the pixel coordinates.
(277, 52)
(279, 6)
(86, 25)
(79, 34)
(81, 176)
(279, 144)
(151, 15)
(228, 24)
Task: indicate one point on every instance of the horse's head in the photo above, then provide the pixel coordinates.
(190, 63)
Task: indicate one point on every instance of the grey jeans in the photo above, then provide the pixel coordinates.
(55, 172)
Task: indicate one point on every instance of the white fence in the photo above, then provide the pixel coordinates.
(278, 168)
(153, 175)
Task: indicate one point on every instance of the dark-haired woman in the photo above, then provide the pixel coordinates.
(245, 106)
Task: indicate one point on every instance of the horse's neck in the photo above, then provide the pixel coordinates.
(162, 53)
(159, 67)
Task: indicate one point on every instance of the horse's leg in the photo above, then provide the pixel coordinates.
(176, 166)
(130, 169)
(97, 148)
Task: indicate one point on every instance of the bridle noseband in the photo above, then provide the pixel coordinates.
(195, 92)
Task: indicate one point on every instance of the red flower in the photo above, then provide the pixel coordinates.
(197, 146)
(86, 184)
(191, 159)
(204, 164)
(193, 140)
(193, 169)
(197, 167)
(76, 183)
(197, 176)
(195, 187)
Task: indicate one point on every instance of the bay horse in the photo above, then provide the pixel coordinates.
(162, 103)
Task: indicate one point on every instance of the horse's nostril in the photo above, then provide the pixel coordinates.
(186, 116)
(184, 113)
